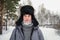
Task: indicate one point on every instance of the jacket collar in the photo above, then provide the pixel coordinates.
(19, 27)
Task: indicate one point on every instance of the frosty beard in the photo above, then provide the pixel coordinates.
(27, 23)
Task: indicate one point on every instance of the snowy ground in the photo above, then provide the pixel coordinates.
(48, 33)
(6, 34)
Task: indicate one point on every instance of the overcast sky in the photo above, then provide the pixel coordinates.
(52, 5)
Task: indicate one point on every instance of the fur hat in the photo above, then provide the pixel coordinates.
(27, 9)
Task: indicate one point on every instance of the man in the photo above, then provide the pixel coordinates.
(27, 26)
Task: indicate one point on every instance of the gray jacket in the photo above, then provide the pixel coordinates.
(17, 34)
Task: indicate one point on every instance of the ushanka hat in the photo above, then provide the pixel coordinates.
(27, 9)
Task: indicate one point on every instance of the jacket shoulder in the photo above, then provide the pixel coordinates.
(41, 37)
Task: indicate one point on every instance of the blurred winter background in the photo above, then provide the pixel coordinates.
(47, 13)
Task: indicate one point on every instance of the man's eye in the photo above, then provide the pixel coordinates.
(25, 16)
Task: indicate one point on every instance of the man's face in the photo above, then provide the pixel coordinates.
(27, 18)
